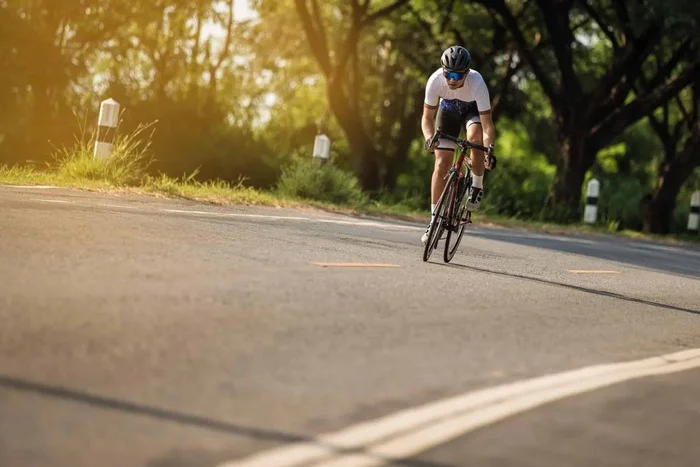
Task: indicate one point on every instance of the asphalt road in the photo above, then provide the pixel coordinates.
(138, 331)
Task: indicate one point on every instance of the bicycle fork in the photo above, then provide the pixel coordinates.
(462, 188)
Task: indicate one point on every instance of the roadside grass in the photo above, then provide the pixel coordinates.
(220, 192)
(126, 170)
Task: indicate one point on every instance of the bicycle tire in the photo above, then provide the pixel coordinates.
(449, 253)
(437, 227)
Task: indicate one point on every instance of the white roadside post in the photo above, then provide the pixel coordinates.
(591, 212)
(322, 147)
(106, 128)
(694, 217)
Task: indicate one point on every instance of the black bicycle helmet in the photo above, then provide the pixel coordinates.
(456, 58)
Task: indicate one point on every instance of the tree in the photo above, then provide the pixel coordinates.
(339, 65)
(159, 61)
(681, 142)
(178, 65)
(45, 46)
(592, 104)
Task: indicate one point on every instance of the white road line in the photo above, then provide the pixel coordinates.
(369, 224)
(41, 187)
(445, 431)
(410, 431)
(116, 206)
(382, 225)
(230, 214)
(61, 201)
(297, 218)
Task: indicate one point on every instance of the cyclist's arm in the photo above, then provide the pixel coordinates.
(483, 103)
(488, 127)
(430, 106)
(427, 123)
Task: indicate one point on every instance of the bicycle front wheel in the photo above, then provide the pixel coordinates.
(437, 227)
(456, 223)
(454, 238)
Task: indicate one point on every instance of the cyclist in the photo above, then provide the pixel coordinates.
(456, 97)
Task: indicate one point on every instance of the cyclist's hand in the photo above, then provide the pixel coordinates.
(432, 143)
(490, 162)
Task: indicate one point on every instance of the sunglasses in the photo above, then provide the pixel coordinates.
(454, 75)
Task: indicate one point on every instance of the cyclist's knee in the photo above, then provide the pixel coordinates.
(475, 135)
(443, 162)
(441, 168)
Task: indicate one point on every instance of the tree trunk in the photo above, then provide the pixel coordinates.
(658, 210)
(575, 160)
(412, 109)
(397, 162)
(366, 163)
(365, 155)
(658, 213)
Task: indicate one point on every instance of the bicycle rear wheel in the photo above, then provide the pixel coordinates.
(456, 223)
(437, 227)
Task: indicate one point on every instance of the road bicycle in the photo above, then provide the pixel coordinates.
(451, 213)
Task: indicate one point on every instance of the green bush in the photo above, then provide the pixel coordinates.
(413, 183)
(679, 221)
(310, 179)
(520, 184)
(518, 187)
(619, 202)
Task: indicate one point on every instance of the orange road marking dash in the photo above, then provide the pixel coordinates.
(356, 265)
(585, 271)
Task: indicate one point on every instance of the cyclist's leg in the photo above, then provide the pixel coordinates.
(475, 135)
(451, 124)
(443, 161)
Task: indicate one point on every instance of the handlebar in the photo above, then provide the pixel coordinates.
(464, 144)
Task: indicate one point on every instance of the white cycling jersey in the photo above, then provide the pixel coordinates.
(461, 100)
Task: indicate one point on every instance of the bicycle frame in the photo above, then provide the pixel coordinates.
(457, 167)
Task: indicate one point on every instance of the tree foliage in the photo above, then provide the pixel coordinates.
(575, 84)
(594, 52)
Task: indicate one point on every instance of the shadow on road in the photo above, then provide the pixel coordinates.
(575, 287)
(264, 434)
(681, 260)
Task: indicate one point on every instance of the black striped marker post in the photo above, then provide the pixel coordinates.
(590, 214)
(107, 128)
(694, 217)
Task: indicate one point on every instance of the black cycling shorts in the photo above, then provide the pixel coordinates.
(452, 123)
